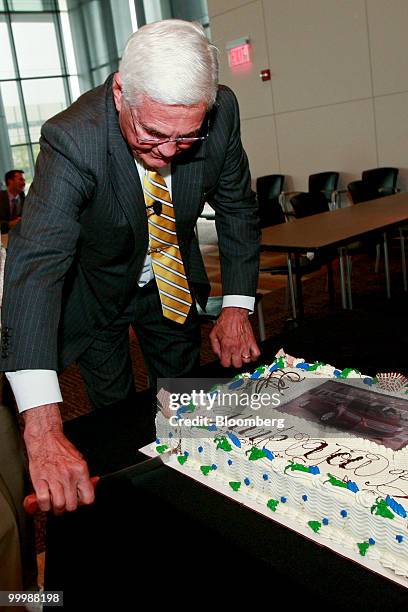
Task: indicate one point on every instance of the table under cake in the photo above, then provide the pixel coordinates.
(163, 529)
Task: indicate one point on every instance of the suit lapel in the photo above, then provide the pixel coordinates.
(187, 180)
(123, 173)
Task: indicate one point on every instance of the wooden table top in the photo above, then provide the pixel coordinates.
(337, 227)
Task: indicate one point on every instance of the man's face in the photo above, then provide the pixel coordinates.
(17, 183)
(161, 121)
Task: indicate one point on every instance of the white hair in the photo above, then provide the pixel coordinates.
(171, 62)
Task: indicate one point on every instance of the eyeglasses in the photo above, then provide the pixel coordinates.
(180, 141)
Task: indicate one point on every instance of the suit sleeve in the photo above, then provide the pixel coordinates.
(236, 212)
(40, 252)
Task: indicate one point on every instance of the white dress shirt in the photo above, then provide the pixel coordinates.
(33, 388)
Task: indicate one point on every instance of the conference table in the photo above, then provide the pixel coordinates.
(324, 232)
(166, 539)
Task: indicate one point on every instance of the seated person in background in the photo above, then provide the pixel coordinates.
(18, 564)
(12, 200)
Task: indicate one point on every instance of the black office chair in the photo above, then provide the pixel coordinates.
(326, 183)
(374, 183)
(268, 192)
(305, 204)
(320, 183)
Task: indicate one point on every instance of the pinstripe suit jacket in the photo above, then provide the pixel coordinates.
(74, 260)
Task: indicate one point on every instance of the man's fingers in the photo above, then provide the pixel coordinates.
(215, 343)
(86, 492)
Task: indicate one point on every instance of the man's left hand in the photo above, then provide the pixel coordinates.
(232, 338)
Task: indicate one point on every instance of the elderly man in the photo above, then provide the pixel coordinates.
(108, 241)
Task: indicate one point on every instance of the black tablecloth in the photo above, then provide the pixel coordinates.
(164, 537)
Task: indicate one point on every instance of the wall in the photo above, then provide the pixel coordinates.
(338, 97)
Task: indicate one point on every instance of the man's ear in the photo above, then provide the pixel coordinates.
(117, 91)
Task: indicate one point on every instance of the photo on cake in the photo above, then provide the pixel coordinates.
(373, 416)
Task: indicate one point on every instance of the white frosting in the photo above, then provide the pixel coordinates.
(352, 516)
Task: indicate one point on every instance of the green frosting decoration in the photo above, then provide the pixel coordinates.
(182, 459)
(160, 449)
(272, 504)
(316, 365)
(280, 362)
(336, 482)
(206, 469)
(344, 373)
(314, 525)
(235, 486)
(222, 443)
(380, 507)
(363, 547)
(296, 467)
(255, 453)
(261, 369)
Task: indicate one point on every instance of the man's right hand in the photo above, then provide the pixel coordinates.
(58, 471)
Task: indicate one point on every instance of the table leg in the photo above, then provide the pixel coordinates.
(348, 268)
(387, 267)
(299, 291)
(330, 284)
(291, 286)
(342, 283)
(403, 260)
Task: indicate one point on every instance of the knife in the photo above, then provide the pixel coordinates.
(30, 503)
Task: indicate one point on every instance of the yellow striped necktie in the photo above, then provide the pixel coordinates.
(164, 250)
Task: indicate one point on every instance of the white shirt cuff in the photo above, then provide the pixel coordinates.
(239, 301)
(34, 388)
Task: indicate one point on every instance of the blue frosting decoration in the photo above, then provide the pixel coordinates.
(343, 513)
(336, 373)
(283, 500)
(229, 461)
(395, 507)
(200, 449)
(303, 366)
(247, 481)
(274, 367)
(157, 440)
(325, 521)
(268, 454)
(368, 381)
(313, 469)
(265, 476)
(352, 486)
(214, 466)
(186, 453)
(234, 439)
(170, 434)
(255, 375)
(399, 538)
(236, 383)
(212, 428)
(371, 541)
(304, 497)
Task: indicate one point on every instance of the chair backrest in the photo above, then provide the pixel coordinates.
(325, 182)
(361, 191)
(384, 180)
(307, 204)
(268, 189)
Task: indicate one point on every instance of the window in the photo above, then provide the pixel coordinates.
(38, 76)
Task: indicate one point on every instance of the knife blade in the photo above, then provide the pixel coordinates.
(30, 503)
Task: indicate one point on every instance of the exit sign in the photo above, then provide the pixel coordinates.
(238, 52)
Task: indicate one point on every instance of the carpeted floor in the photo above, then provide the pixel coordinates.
(373, 337)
